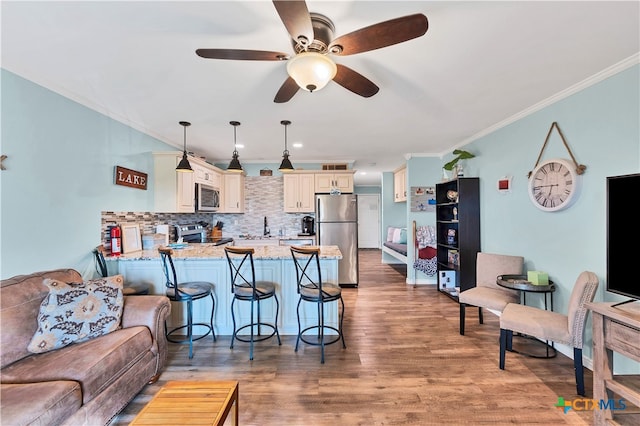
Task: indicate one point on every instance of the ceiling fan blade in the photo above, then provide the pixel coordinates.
(296, 18)
(356, 82)
(382, 34)
(287, 90)
(241, 54)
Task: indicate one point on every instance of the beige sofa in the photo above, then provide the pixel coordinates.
(84, 383)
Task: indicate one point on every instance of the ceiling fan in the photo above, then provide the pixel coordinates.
(310, 68)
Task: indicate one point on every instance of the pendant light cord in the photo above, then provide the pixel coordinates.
(185, 139)
(235, 140)
(285, 123)
(286, 149)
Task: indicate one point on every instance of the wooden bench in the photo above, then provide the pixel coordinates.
(191, 403)
(396, 251)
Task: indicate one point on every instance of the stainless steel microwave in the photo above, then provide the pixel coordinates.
(207, 198)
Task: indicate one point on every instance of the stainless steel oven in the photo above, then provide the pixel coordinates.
(191, 233)
(207, 198)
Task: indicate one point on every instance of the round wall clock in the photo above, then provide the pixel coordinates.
(553, 185)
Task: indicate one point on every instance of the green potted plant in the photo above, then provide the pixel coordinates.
(460, 155)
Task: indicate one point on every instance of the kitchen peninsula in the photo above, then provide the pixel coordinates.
(207, 262)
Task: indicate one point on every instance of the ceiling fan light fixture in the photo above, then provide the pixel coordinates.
(311, 70)
(234, 165)
(183, 165)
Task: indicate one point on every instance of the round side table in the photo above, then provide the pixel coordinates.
(521, 283)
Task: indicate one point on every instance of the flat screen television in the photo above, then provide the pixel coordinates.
(623, 235)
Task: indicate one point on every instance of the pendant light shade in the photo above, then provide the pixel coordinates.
(183, 165)
(311, 70)
(234, 165)
(286, 164)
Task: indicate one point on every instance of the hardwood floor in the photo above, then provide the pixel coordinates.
(405, 363)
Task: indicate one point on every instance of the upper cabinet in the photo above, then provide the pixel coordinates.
(232, 193)
(299, 192)
(400, 185)
(328, 181)
(173, 192)
(207, 175)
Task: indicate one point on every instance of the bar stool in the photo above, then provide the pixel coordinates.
(186, 292)
(245, 288)
(312, 289)
(130, 289)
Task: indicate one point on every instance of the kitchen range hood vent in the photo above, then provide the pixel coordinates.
(334, 167)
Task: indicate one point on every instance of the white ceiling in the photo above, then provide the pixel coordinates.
(480, 65)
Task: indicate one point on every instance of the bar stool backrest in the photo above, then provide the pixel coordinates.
(171, 278)
(308, 274)
(101, 263)
(241, 268)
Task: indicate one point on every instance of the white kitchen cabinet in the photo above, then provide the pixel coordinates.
(297, 241)
(299, 192)
(255, 242)
(207, 175)
(173, 192)
(326, 182)
(232, 193)
(400, 185)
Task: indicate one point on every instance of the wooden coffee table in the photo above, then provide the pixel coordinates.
(191, 403)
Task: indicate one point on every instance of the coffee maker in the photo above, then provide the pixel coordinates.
(308, 226)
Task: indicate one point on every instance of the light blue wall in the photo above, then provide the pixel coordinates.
(601, 125)
(393, 214)
(59, 177)
(421, 172)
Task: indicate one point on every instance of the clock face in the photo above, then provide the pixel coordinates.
(553, 185)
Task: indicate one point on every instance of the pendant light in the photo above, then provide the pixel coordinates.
(234, 165)
(286, 164)
(183, 165)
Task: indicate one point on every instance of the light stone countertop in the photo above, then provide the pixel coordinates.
(207, 251)
(274, 237)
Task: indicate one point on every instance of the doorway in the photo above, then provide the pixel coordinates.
(369, 221)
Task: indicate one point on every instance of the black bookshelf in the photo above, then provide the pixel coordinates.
(457, 233)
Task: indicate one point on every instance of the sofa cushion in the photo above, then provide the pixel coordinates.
(42, 404)
(20, 299)
(75, 312)
(400, 248)
(95, 363)
(491, 298)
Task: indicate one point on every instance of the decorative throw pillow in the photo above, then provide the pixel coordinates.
(397, 235)
(427, 253)
(390, 231)
(75, 312)
(403, 236)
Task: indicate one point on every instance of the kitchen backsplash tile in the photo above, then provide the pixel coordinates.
(264, 197)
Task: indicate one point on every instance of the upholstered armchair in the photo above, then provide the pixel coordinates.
(553, 326)
(487, 294)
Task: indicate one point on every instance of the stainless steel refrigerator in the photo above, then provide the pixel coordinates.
(337, 225)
